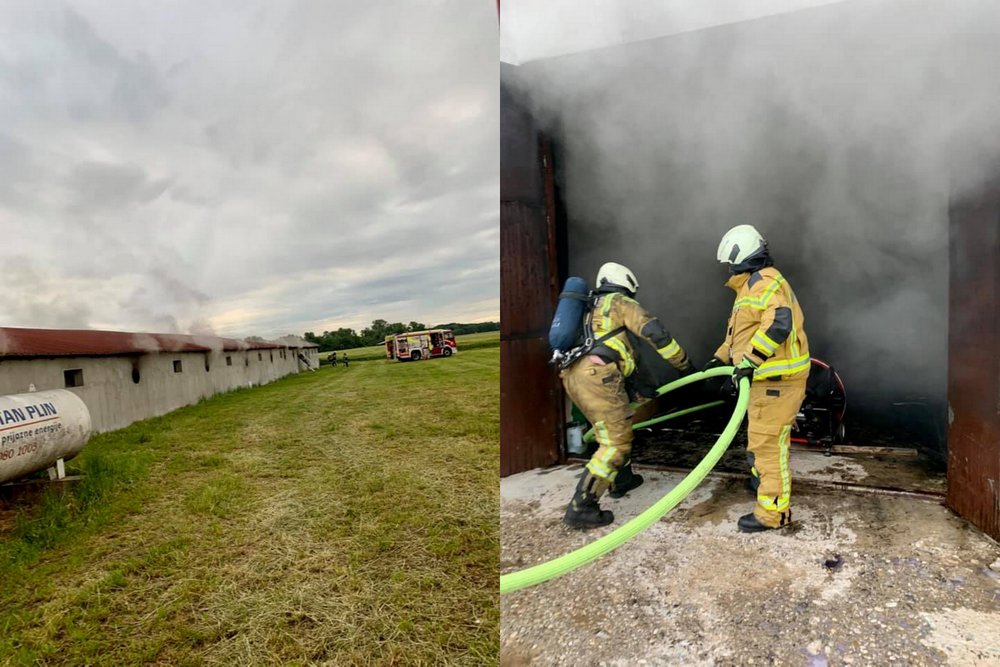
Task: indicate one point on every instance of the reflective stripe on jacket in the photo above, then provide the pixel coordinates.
(613, 310)
(766, 326)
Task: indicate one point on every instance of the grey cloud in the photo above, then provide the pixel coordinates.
(102, 186)
(132, 85)
(27, 298)
(409, 295)
(172, 178)
(158, 292)
(190, 195)
(325, 234)
(178, 287)
(64, 68)
(428, 173)
(15, 170)
(15, 159)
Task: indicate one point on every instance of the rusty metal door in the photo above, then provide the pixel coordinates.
(531, 399)
(974, 360)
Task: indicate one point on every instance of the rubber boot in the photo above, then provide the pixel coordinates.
(749, 523)
(584, 511)
(625, 481)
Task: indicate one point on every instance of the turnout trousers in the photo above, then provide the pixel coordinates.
(599, 391)
(772, 410)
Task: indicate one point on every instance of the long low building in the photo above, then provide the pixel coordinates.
(124, 377)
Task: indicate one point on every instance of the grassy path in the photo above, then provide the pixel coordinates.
(346, 516)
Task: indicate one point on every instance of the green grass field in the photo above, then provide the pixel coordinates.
(377, 352)
(344, 516)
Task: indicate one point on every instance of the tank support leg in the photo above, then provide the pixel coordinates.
(58, 471)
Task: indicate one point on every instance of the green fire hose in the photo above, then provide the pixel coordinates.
(677, 384)
(567, 563)
(589, 435)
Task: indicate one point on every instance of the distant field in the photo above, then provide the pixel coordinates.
(343, 517)
(467, 342)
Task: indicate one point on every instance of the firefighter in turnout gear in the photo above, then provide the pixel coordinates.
(595, 382)
(766, 342)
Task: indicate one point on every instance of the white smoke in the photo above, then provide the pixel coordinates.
(841, 132)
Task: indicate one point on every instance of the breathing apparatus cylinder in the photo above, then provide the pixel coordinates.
(565, 330)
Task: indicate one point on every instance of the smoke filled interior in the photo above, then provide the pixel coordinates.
(843, 146)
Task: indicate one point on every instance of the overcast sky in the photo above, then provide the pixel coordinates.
(248, 167)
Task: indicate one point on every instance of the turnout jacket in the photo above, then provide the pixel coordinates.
(766, 326)
(615, 311)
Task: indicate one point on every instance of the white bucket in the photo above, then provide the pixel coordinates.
(574, 439)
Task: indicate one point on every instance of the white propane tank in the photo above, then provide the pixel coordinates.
(39, 428)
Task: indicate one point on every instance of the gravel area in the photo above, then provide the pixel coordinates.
(858, 579)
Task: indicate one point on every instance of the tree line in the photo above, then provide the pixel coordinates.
(348, 339)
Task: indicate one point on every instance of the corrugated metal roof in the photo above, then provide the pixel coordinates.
(17, 342)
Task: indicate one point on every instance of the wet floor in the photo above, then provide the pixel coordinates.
(859, 579)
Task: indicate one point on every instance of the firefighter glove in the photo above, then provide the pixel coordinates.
(744, 370)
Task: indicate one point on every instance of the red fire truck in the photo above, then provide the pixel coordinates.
(416, 345)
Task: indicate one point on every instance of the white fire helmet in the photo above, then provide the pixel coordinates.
(613, 273)
(739, 243)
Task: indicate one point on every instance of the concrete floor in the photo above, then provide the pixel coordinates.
(915, 584)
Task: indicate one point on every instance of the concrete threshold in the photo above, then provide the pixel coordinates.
(812, 484)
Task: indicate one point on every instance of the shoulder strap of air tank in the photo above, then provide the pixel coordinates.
(588, 332)
(593, 306)
(590, 343)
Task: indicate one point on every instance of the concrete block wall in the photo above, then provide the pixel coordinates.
(116, 396)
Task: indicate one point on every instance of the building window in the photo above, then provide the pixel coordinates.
(207, 366)
(272, 357)
(177, 366)
(260, 356)
(73, 377)
(135, 374)
(229, 360)
(246, 361)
